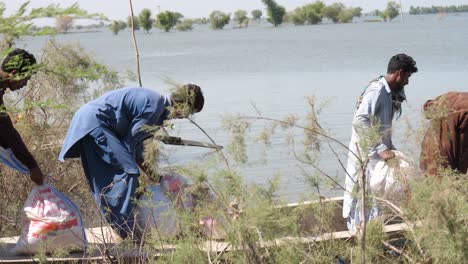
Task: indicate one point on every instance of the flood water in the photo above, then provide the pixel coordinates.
(276, 68)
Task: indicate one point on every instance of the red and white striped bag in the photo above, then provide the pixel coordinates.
(51, 222)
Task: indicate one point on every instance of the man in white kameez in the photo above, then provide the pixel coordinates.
(375, 110)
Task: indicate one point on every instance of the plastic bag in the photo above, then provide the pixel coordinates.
(7, 157)
(51, 222)
(156, 211)
(161, 205)
(389, 180)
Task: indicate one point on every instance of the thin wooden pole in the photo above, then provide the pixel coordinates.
(401, 12)
(363, 205)
(135, 43)
(363, 214)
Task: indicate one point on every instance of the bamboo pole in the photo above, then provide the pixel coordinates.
(401, 12)
(363, 206)
(363, 214)
(135, 43)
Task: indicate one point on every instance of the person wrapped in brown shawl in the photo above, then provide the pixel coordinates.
(445, 143)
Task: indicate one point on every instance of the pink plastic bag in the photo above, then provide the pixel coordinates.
(50, 222)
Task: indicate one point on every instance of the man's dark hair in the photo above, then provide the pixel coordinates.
(19, 60)
(402, 62)
(192, 95)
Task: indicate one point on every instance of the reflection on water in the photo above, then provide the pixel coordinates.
(276, 68)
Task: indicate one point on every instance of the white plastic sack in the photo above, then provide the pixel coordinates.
(51, 222)
(389, 179)
(7, 157)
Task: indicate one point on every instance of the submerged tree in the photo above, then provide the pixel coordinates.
(185, 25)
(116, 26)
(144, 19)
(392, 10)
(240, 16)
(308, 14)
(333, 11)
(347, 15)
(219, 19)
(256, 14)
(275, 12)
(167, 20)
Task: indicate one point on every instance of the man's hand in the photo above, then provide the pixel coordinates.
(36, 176)
(172, 140)
(387, 155)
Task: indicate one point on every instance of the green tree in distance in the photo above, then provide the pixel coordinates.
(184, 25)
(308, 14)
(346, 15)
(357, 11)
(275, 12)
(392, 10)
(296, 17)
(333, 11)
(256, 14)
(167, 20)
(144, 19)
(339, 13)
(313, 12)
(136, 23)
(117, 25)
(240, 16)
(219, 19)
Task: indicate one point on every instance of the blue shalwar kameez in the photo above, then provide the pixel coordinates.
(107, 134)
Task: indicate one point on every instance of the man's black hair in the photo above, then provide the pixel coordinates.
(198, 99)
(402, 62)
(192, 95)
(19, 60)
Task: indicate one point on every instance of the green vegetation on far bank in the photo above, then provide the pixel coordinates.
(316, 12)
(310, 14)
(419, 10)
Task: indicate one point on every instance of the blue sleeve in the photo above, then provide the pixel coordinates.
(138, 132)
(146, 110)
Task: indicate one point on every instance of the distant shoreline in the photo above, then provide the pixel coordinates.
(79, 32)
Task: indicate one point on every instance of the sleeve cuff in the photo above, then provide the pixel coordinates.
(381, 148)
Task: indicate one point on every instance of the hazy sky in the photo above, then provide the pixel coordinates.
(119, 9)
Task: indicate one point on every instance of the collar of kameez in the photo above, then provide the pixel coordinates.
(400, 93)
(168, 104)
(167, 100)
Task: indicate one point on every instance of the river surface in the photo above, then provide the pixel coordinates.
(275, 69)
